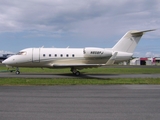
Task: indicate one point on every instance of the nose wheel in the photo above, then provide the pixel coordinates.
(17, 71)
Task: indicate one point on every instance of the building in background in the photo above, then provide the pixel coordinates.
(143, 61)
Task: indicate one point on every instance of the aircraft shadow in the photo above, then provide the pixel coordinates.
(90, 76)
(62, 75)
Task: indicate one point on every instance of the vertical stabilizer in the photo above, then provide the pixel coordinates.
(129, 41)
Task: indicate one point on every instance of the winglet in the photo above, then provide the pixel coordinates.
(112, 59)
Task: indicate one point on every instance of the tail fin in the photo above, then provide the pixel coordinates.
(129, 41)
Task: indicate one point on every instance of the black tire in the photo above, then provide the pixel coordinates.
(77, 73)
(17, 72)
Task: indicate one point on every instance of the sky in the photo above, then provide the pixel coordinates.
(78, 24)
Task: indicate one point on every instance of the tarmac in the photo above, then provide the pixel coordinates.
(70, 75)
(87, 102)
(80, 102)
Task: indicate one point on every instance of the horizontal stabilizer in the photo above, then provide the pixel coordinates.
(143, 31)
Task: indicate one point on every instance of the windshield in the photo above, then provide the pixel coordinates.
(21, 53)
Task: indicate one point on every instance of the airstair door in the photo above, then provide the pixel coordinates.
(36, 55)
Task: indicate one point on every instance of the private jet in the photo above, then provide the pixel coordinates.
(76, 58)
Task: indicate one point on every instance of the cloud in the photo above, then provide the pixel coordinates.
(84, 16)
(151, 54)
(5, 52)
(83, 20)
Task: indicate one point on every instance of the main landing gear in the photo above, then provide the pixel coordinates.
(17, 71)
(75, 72)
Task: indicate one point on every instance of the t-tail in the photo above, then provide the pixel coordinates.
(127, 44)
(129, 41)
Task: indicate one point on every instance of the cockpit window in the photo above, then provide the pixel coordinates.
(21, 53)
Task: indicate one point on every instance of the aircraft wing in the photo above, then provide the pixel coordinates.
(81, 66)
(78, 66)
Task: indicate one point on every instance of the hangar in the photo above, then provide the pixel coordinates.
(143, 61)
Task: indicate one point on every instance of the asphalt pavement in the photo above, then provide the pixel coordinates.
(70, 75)
(87, 102)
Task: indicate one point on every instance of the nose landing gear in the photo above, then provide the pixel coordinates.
(17, 71)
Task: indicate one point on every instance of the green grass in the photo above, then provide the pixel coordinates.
(35, 82)
(101, 70)
(84, 81)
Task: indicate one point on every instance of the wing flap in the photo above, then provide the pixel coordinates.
(76, 65)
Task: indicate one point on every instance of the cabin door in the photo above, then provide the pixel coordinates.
(36, 55)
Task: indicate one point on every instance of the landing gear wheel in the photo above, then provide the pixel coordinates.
(77, 73)
(17, 72)
(74, 71)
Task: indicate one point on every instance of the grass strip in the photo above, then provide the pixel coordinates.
(75, 81)
(128, 70)
(101, 70)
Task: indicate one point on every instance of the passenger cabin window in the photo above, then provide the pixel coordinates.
(55, 55)
(22, 53)
(72, 55)
(61, 55)
(44, 55)
(67, 55)
(49, 55)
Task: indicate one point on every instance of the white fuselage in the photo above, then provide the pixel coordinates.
(64, 57)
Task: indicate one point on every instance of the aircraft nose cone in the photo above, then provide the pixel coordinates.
(4, 62)
(7, 61)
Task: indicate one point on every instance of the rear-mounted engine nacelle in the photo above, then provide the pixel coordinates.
(97, 52)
